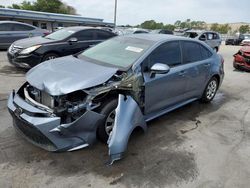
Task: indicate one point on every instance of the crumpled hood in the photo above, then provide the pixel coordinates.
(28, 42)
(68, 74)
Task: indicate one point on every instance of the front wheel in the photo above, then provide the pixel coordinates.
(105, 128)
(210, 90)
(49, 56)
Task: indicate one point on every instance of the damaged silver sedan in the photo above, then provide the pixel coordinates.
(111, 89)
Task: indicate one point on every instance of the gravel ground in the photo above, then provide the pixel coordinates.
(197, 146)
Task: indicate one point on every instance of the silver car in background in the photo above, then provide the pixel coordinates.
(11, 31)
(211, 38)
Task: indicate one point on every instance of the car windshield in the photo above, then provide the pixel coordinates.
(118, 52)
(60, 34)
(246, 36)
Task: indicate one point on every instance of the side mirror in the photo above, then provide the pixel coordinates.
(159, 68)
(73, 39)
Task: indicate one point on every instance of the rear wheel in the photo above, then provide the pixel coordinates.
(105, 128)
(210, 90)
(50, 56)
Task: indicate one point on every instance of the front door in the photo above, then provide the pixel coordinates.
(164, 90)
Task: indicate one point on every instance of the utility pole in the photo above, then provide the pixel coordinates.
(115, 13)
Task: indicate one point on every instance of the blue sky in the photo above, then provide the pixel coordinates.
(167, 11)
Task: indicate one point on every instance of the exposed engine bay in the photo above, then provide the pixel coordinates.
(77, 107)
(71, 106)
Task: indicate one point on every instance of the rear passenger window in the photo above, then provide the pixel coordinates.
(191, 52)
(205, 53)
(210, 36)
(216, 36)
(102, 35)
(21, 27)
(84, 35)
(168, 53)
(6, 27)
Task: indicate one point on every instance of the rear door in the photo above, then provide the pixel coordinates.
(102, 35)
(210, 40)
(21, 31)
(197, 63)
(164, 90)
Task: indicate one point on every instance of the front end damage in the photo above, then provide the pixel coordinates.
(48, 130)
(242, 59)
(69, 122)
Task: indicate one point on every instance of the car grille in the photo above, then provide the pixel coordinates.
(33, 134)
(15, 49)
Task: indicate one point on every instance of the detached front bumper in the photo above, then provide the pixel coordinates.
(24, 61)
(46, 131)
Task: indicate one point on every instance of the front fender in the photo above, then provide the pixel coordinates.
(128, 117)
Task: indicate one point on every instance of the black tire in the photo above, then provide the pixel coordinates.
(49, 56)
(236, 66)
(107, 109)
(206, 98)
(216, 49)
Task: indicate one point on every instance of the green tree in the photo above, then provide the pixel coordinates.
(1, 6)
(221, 28)
(53, 6)
(169, 27)
(177, 23)
(214, 27)
(244, 29)
(152, 24)
(224, 28)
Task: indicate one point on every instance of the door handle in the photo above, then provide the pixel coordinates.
(207, 64)
(182, 73)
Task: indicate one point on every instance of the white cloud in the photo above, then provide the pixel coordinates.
(166, 11)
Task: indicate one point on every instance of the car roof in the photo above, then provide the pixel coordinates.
(199, 31)
(15, 23)
(79, 28)
(157, 37)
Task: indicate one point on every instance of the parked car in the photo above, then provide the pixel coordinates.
(246, 41)
(27, 53)
(111, 89)
(11, 31)
(210, 37)
(162, 31)
(237, 39)
(242, 59)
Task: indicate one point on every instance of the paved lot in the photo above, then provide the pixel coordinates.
(197, 146)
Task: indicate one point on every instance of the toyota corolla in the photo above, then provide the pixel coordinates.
(111, 89)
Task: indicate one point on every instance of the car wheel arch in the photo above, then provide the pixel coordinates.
(51, 52)
(217, 77)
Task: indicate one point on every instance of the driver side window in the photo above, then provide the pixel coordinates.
(168, 53)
